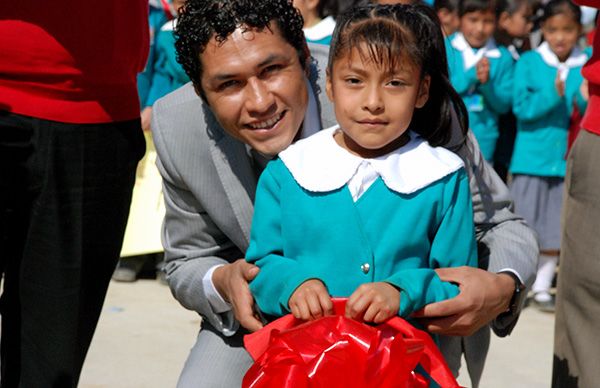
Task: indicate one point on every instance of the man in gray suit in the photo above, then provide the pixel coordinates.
(254, 91)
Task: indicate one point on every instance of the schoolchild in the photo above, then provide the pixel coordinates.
(481, 71)
(515, 21)
(319, 19)
(547, 86)
(168, 74)
(369, 208)
(447, 11)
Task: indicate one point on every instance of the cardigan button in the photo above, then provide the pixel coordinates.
(365, 268)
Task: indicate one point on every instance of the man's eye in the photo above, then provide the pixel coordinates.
(271, 69)
(227, 85)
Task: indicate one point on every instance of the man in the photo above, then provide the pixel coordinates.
(248, 63)
(70, 141)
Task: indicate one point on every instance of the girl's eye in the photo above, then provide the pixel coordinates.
(396, 83)
(352, 81)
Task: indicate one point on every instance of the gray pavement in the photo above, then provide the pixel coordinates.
(144, 336)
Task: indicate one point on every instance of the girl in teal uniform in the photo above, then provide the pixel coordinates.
(547, 87)
(369, 208)
(481, 71)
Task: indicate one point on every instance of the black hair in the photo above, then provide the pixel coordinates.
(328, 8)
(468, 6)
(450, 5)
(397, 33)
(201, 20)
(561, 7)
(512, 6)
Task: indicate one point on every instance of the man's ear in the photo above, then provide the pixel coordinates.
(423, 95)
(329, 86)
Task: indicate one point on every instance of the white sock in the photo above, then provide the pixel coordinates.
(545, 275)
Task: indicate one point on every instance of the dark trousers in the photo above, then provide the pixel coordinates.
(65, 191)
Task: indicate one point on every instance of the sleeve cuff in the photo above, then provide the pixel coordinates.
(513, 272)
(216, 301)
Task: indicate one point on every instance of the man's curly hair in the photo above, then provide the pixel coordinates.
(200, 20)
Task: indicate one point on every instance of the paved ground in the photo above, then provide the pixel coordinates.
(144, 336)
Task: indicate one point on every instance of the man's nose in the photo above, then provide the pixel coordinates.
(258, 98)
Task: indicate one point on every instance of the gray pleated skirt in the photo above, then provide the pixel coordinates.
(539, 200)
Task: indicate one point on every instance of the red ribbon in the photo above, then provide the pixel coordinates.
(336, 351)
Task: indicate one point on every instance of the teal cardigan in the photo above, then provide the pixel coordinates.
(485, 102)
(299, 235)
(542, 116)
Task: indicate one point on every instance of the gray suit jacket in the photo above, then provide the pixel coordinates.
(209, 186)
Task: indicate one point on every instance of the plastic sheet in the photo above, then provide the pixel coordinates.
(336, 351)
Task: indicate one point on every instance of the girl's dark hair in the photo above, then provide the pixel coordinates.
(391, 35)
(328, 8)
(468, 6)
(559, 7)
(200, 20)
(512, 6)
(450, 5)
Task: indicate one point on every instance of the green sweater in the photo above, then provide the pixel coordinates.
(299, 235)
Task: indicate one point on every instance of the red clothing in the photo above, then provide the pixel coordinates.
(591, 72)
(78, 66)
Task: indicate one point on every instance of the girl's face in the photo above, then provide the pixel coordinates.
(519, 24)
(478, 27)
(561, 31)
(373, 105)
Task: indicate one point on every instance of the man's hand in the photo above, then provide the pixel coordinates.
(482, 69)
(373, 302)
(146, 117)
(311, 301)
(231, 281)
(483, 296)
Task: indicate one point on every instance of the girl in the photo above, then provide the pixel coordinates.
(319, 19)
(514, 25)
(481, 71)
(547, 85)
(368, 209)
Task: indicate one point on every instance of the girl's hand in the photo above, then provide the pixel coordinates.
(373, 302)
(483, 70)
(560, 85)
(311, 301)
(584, 90)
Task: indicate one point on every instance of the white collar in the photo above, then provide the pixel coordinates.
(471, 58)
(319, 164)
(576, 58)
(321, 30)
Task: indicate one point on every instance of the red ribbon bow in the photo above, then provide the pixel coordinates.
(336, 351)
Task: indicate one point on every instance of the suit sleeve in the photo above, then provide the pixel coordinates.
(193, 243)
(504, 240)
(453, 245)
(279, 276)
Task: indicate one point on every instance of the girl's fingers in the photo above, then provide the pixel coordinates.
(371, 313)
(326, 303)
(314, 305)
(357, 307)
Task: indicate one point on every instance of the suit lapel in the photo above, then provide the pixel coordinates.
(236, 174)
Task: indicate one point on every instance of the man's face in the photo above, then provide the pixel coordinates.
(256, 87)
(478, 27)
